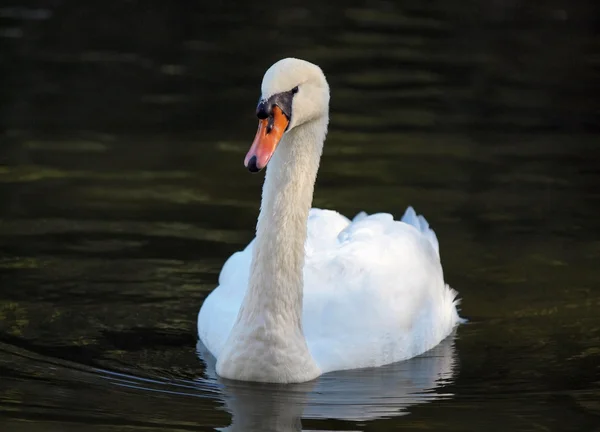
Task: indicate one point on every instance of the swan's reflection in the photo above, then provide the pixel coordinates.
(355, 395)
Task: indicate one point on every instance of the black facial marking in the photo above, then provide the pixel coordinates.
(283, 100)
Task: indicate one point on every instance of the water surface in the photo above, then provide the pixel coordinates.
(122, 192)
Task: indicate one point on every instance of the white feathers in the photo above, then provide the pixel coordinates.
(373, 291)
(316, 292)
(419, 222)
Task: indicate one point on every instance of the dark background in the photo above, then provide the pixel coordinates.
(185, 66)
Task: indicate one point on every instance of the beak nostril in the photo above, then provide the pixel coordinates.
(270, 124)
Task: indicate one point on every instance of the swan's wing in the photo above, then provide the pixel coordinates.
(323, 229)
(361, 276)
(410, 217)
(219, 310)
(420, 223)
(377, 294)
(322, 233)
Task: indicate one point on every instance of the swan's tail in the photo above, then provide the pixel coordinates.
(419, 222)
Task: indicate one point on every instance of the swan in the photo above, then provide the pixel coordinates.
(316, 292)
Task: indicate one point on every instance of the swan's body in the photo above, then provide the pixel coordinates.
(341, 294)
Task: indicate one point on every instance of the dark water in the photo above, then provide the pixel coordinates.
(122, 192)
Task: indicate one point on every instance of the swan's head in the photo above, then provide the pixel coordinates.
(294, 92)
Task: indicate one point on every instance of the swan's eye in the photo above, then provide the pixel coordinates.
(295, 90)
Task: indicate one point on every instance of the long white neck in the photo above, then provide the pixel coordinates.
(276, 276)
(268, 330)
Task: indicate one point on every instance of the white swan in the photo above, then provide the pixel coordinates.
(298, 302)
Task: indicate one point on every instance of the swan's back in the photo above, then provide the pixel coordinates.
(377, 295)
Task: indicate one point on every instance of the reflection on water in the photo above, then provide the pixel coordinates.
(122, 192)
(358, 395)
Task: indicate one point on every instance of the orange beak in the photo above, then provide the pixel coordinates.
(270, 131)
